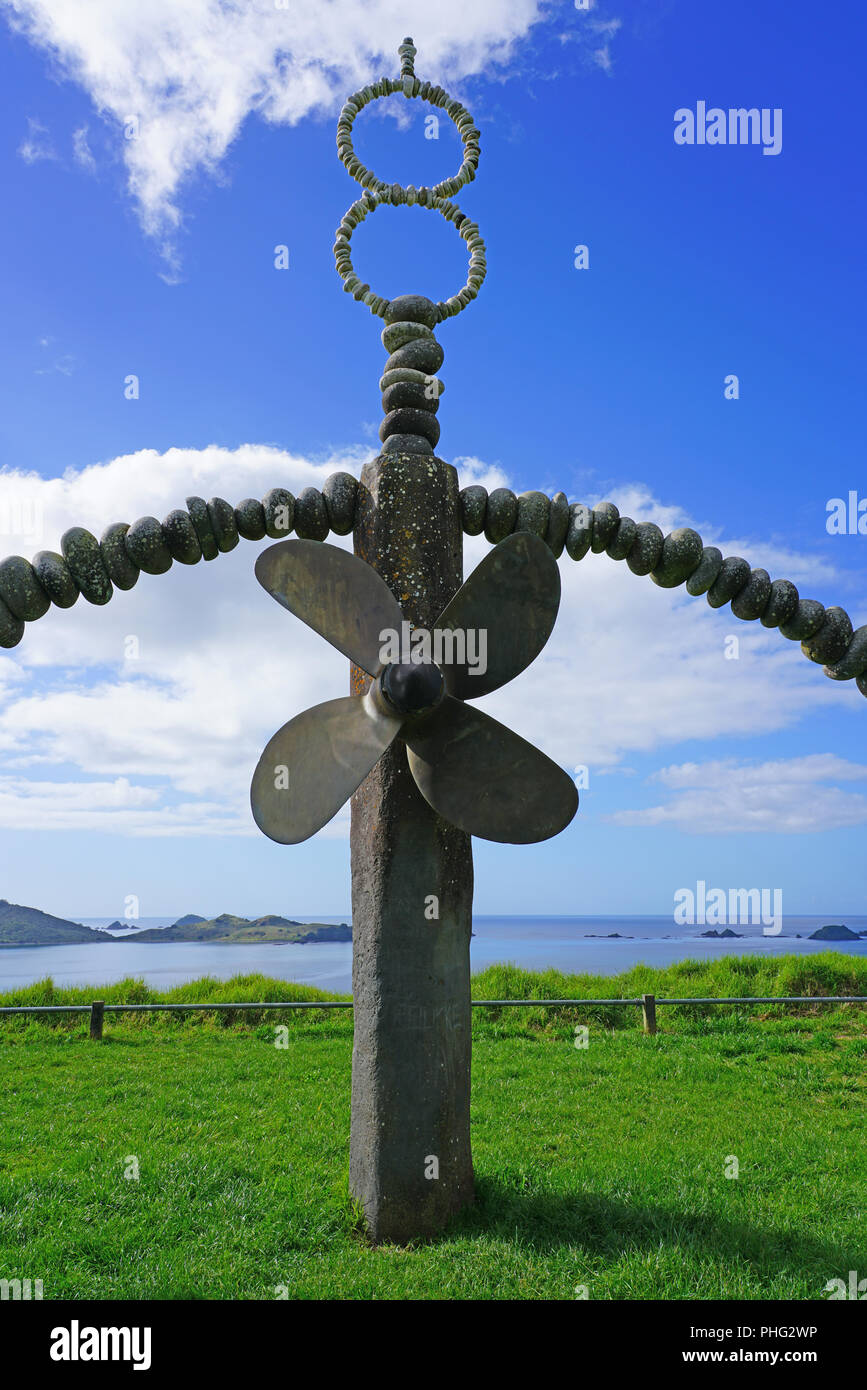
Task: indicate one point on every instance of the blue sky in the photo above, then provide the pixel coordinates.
(156, 257)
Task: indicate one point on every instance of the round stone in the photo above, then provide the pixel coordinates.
(311, 517)
(605, 519)
(112, 546)
(426, 379)
(808, 619)
(422, 354)
(82, 554)
(53, 574)
(406, 444)
(407, 421)
(734, 574)
(860, 681)
(411, 688)
(250, 519)
(279, 508)
(830, 643)
(558, 524)
(682, 552)
(179, 534)
(201, 519)
(501, 514)
(397, 335)
(474, 502)
(580, 531)
(854, 660)
(782, 604)
(706, 572)
(623, 539)
(411, 308)
(643, 558)
(340, 492)
(750, 603)
(410, 393)
(11, 628)
(146, 546)
(21, 591)
(222, 518)
(533, 509)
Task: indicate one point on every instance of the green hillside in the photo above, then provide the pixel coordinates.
(235, 931)
(27, 926)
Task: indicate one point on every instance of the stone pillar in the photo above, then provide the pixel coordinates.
(411, 968)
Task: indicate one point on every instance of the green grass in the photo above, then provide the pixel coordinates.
(602, 1167)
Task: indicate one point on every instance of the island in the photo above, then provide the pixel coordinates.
(835, 932)
(28, 926)
(720, 935)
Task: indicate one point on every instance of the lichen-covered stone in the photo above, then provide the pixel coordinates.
(854, 660)
(250, 519)
(412, 394)
(558, 524)
(146, 546)
(734, 574)
(749, 604)
(681, 556)
(830, 642)
(501, 514)
(605, 519)
(397, 335)
(21, 591)
(643, 558)
(201, 519)
(861, 682)
(311, 517)
(121, 570)
(422, 354)
(54, 575)
(279, 507)
(407, 444)
(474, 502)
(179, 534)
(408, 421)
(579, 532)
(340, 491)
(435, 387)
(533, 509)
(11, 628)
(808, 619)
(623, 539)
(411, 308)
(223, 524)
(782, 604)
(82, 554)
(706, 572)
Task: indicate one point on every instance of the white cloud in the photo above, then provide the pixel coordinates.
(81, 150)
(630, 667)
(36, 144)
(191, 73)
(787, 796)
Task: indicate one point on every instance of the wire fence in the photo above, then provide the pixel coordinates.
(648, 1003)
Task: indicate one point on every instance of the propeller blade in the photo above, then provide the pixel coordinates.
(314, 763)
(512, 598)
(335, 592)
(486, 780)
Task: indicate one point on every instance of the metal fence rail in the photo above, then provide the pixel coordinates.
(648, 1004)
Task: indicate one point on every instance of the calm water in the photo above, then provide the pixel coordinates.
(536, 943)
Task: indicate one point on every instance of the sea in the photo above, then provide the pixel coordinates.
(596, 945)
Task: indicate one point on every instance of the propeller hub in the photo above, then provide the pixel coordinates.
(411, 688)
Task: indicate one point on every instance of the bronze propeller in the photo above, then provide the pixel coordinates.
(472, 770)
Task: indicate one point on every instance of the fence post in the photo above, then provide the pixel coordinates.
(648, 1009)
(96, 1016)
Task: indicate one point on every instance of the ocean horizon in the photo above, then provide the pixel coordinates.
(597, 944)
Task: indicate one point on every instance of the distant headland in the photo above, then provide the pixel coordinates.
(27, 926)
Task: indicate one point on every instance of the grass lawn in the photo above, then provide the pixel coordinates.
(602, 1167)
